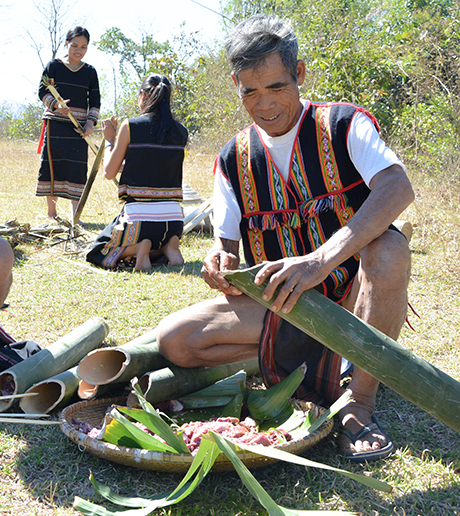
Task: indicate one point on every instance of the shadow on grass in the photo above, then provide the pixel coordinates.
(53, 466)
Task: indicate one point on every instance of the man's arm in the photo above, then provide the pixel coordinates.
(391, 193)
(223, 256)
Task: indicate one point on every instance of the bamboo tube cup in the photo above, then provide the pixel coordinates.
(122, 363)
(173, 382)
(52, 393)
(368, 348)
(56, 358)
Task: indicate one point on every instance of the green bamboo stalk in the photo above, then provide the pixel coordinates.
(56, 358)
(173, 382)
(52, 393)
(120, 364)
(368, 348)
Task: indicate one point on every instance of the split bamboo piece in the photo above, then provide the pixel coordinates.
(173, 382)
(369, 349)
(89, 184)
(122, 363)
(56, 358)
(51, 393)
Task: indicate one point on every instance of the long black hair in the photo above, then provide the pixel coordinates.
(157, 101)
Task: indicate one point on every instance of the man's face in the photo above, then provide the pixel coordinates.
(270, 94)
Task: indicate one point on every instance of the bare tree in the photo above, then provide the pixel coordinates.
(55, 18)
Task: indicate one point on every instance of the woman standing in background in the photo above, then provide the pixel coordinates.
(64, 152)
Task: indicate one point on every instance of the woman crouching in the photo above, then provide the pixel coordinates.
(152, 148)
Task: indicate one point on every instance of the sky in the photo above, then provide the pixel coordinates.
(20, 67)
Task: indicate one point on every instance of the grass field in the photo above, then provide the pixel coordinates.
(54, 291)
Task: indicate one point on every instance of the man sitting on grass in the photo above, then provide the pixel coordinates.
(312, 191)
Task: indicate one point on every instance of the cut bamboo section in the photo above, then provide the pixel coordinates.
(55, 359)
(368, 348)
(87, 391)
(122, 363)
(55, 392)
(172, 382)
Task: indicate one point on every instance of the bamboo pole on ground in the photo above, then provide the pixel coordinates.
(173, 382)
(120, 364)
(369, 349)
(56, 358)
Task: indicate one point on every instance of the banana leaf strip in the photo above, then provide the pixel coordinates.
(157, 425)
(253, 486)
(122, 432)
(272, 407)
(269, 451)
(201, 465)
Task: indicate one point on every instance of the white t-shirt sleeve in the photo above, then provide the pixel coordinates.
(226, 216)
(367, 150)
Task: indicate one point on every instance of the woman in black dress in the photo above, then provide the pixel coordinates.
(152, 149)
(64, 155)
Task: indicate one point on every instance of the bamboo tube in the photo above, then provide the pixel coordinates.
(52, 393)
(120, 364)
(56, 358)
(369, 349)
(86, 391)
(173, 382)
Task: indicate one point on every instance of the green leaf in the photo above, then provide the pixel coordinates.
(126, 430)
(200, 467)
(268, 451)
(253, 486)
(153, 421)
(331, 411)
(267, 404)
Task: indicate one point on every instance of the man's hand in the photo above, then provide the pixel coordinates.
(294, 275)
(223, 257)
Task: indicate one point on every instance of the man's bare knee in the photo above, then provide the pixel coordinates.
(387, 260)
(171, 341)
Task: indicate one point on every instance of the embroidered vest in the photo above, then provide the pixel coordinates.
(323, 191)
(152, 171)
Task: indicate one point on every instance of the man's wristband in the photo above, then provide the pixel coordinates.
(108, 144)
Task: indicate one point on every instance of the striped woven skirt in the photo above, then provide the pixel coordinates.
(126, 230)
(64, 162)
(283, 348)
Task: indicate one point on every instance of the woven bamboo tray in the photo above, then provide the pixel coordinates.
(93, 412)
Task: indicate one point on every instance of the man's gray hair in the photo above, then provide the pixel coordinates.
(253, 39)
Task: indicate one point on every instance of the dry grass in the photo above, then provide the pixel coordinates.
(41, 470)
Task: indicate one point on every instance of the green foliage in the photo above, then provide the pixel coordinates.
(28, 126)
(397, 58)
(5, 119)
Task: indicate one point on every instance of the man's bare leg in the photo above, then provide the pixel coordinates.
(379, 297)
(217, 331)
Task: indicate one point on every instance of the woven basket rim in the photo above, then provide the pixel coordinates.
(173, 462)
